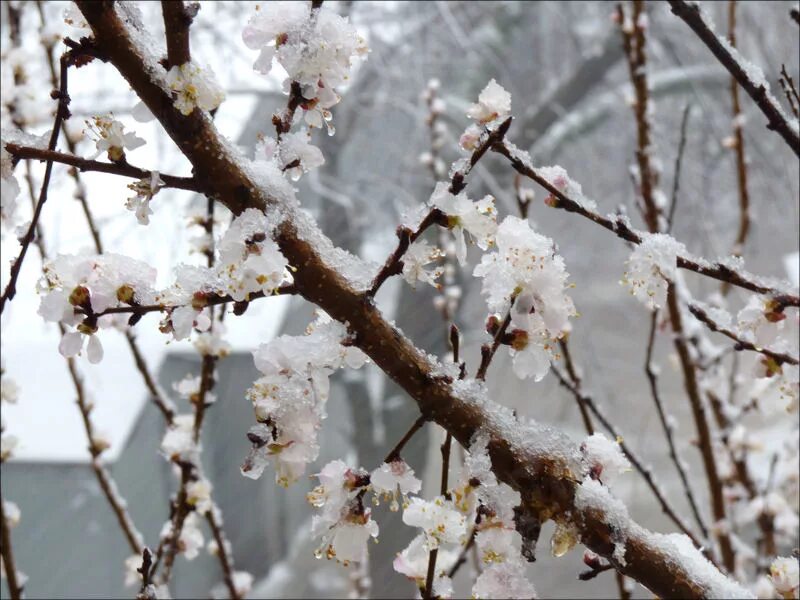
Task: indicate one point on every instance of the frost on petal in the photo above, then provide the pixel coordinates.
(651, 267)
(438, 519)
(603, 458)
(785, 576)
(418, 255)
(504, 580)
(350, 540)
(494, 103)
(479, 219)
(194, 87)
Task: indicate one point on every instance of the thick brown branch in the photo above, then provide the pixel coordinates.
(84, 164)
(177, 20)
(619, 226)
(776, 120)
(548, 476)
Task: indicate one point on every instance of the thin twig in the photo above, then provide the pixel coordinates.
(489, 350)
(645, 472)
(779, 357)
(222, 549)
(618, 226)
(676, 178)
(776, 120)
(576, 381)
(394, 453)
(62, 112)
(741, 159)
(393, 264)
(177, 20)
(652, 378)
(84, 164)
(7, 553)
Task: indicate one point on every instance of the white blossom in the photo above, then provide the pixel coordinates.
(194, 86)
(190, 542)
(785, 576)
(393, 479)
(9, 390)
(419, 254)
(493, 103)
(603, 458)
(8, 443)
(145, 189)
(503, 580)
(438, 519)
(651, 266)
(132, 575)
(413, 563)
(479, 219)
(198, 494)
(315, 48)
(112, 137)
(497, 543)
(178, 443)
(12, 513)
(526, 268)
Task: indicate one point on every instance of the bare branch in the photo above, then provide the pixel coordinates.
(776, 120)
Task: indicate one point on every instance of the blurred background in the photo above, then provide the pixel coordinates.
(564, 66)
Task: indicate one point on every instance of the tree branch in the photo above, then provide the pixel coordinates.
(548, 476)
(84, 164)
(757, 90)
(619, 226)
(177, 20)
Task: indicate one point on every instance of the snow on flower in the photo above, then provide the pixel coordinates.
(497, 542)
(479, 219)
(295, 154)
(785, 576)
(438, 519)
(290, 398)
(526, 268)
(413, 563)
(194, 86)
(393, 479)
(198, 494)
(503, 580)
(76, 288)
(315, 47)
(9, 188)
(190, 542)
(419, 254)
(494, 103)
(651, 266)
(250, 261)
(343, 523)
(9, 390)
(144, 190)
(178, 444)
(603, 458)
(132, 575)
(112, 137)
(8, 443)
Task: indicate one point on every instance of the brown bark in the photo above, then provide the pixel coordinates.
(547, 479)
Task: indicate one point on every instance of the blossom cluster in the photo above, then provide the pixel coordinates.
(526, 277)
(293, 154)
(194, 87)
(290, 398)
(479, 219)
(493, 106)
(315, 47)
(651, 267)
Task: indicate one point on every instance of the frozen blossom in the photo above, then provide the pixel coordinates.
(9, 390)
(198, 494)
(343, 523)
(294, 153)
(494, 103)
(785, 576)
(132, 575)
(315, 47)
(504, 580)
(394, 479)
(651, 267)
(479, 219)
(190, 541)
(9, 188)
(603, 458)
(144, 190)
(8, 443)
(194, 86)
(413, 563)
(250, 261)
(526, 268)
(178, 444)
(438, 519)
(419, 254)
(290, 398)
(112, 138)
(76, 288)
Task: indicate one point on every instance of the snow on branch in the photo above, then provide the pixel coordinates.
(527, 455)
(749, 76)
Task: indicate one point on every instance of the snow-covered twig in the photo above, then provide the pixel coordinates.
(752, 81)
